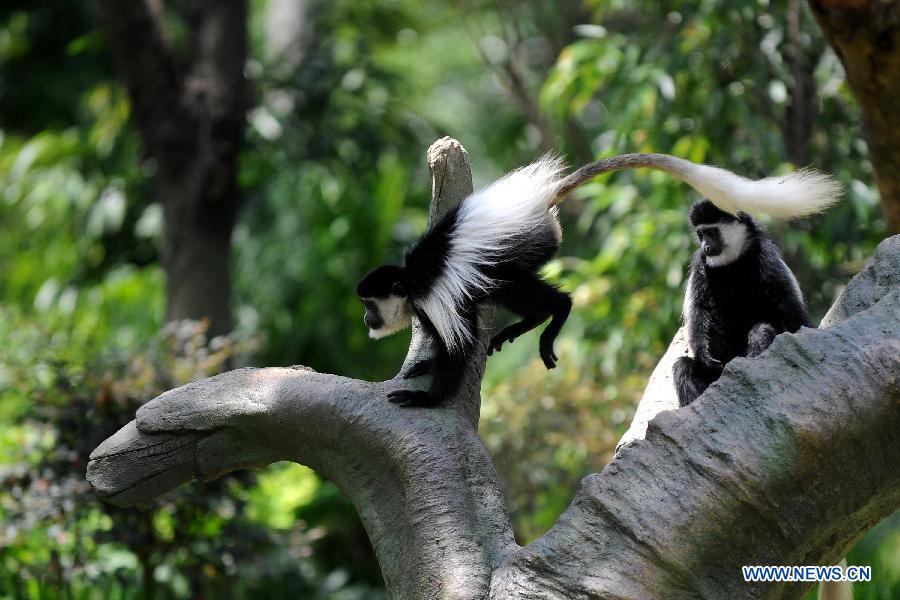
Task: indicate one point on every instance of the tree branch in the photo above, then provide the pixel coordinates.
(421, 479)
(787, 459)
(659, 395)
(881, 275)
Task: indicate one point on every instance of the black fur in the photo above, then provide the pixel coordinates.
(517, 287)
(736, 309)
(704, 212)
(379, 282)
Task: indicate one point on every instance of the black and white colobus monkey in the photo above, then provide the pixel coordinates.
(740, 295)
(492, 245)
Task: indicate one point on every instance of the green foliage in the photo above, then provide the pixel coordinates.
(50, 51)
(75, 229)
(225, 537)
(880, 549)
(335, 185)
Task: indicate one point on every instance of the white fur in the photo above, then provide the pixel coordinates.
(796, 194)
(395, 313)
(734, 242)
(489, 223)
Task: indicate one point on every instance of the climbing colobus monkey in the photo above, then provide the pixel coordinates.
(492, 245)
(740, 295)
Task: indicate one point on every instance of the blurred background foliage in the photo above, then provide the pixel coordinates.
(347, 96)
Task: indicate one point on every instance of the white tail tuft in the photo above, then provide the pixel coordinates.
(797, 194)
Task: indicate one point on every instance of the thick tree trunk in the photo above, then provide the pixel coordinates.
(787, 459)
(197, 255)
(190, 112)
(865, 34)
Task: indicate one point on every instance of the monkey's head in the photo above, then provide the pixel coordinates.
(383, 293)
(723, 237)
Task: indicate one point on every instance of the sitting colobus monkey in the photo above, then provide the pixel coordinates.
(740, 295)
(491, 246)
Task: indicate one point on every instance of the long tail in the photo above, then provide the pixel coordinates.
(796, 194)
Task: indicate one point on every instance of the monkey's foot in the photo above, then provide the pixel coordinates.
(423, 367)
(548, 355)
(411, 398)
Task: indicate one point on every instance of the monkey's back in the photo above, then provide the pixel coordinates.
(477, 260)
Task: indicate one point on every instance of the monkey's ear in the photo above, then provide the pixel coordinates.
(398, 289)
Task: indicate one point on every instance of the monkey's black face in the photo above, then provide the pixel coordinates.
(722, 243)
(372, 318)
(385, 316)
(710, 239)
(723, 237)
(387, 307)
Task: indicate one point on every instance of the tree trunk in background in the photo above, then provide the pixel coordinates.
(190, 111)
(865, 34)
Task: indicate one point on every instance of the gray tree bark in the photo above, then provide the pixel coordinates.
(788, 459)
(190, 113)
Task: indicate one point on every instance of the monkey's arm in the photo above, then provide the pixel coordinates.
(783, 292)
(700, 331)
(795, 315)
(692, 376)
(698, 315)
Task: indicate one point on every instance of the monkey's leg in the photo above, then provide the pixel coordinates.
(692, 378)
(760, 337)
(447, 370)
(560, 305)
(447, 373)
(535, 300)
(561, 309)
(523, 297)
(423, 367)
(511, 332)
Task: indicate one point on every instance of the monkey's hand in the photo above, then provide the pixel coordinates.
(423, 367)
(411, 398)
(706, 359)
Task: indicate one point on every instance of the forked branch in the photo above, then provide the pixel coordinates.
(787, 459)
